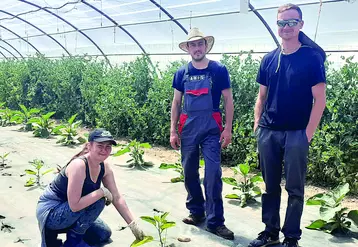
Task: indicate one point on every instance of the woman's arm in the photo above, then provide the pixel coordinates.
(118, 200)
(76, 174)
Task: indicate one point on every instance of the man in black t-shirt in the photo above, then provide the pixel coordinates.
(288, 109)
(201, 83)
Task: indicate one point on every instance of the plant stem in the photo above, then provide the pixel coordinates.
(38, 177)
(160, 235)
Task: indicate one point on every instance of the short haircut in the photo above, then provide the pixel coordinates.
(289, 6)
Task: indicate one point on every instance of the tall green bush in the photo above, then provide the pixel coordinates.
(131, 101)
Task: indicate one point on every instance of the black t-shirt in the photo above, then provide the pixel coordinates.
(289, 81)
(218, 72)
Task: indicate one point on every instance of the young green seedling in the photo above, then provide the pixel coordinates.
(69, 134)
(136, 152)
(248, 189)
(36, 173)
(333, 216)
(161, 224)
(3, 160)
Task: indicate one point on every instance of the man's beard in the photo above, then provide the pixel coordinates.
(198, 59)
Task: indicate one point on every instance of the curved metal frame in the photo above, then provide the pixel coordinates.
(4, 55)
(265, 24)
(70, 24)
(115, 23)
(169, 15)
(17, 35)
(8, 51)
(12, 47)
(39, 29)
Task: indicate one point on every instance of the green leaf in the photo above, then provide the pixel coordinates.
(30, 182)
(121, 152)
(23, 108)
(317, 224)
(31, 172)
(39, 164)
(202, 163)
(57, 129)
(146, 239)
(231, 181)
(145, 145)
(34, 111)
(34, 120)
(157, 218)
(176, 180)
(340, 192)
(48, 115)
(256, 178)
(315, 200)
(328, 200)
(164, 215)
(353, 215)
(167, 225)
(232, 196)
(257, 190)
(244, 169)
(235, 170)
(167, 166)
(149, 219)
(70, 121)
(47, 171)
(328, 213)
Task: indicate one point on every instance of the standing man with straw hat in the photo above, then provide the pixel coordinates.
(202, 82)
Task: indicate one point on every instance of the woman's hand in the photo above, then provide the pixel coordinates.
(107, 195)
(137, 232)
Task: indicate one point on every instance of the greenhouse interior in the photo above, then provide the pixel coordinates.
(68, 67)
(119, 31)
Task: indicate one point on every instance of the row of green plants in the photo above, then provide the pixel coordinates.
(42, 125)
(34, 173)
(133, 101)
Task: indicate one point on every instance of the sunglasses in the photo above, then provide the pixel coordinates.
(290, 22)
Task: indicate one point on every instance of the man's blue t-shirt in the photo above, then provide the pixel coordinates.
(218, 72)
(289, 81)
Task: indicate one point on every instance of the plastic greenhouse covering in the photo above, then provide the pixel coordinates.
(117, 30)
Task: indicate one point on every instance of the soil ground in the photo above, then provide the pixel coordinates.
(143, 190)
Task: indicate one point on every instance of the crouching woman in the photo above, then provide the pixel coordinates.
(72, 202)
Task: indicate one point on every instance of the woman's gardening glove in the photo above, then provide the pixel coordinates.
(137, 232)
(107, 195)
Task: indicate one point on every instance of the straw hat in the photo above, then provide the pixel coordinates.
(195, 34)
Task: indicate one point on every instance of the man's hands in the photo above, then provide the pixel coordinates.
(174, 140)
(255, 126)
(309, 135)
(225, 138)
(137, 232)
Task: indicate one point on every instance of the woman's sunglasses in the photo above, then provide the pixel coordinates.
(290, 23)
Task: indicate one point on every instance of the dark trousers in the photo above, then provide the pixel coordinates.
(84, 222)
(202, 132)
(290, 149)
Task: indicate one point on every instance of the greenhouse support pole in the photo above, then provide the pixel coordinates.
(12, 47)
(17, 35)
